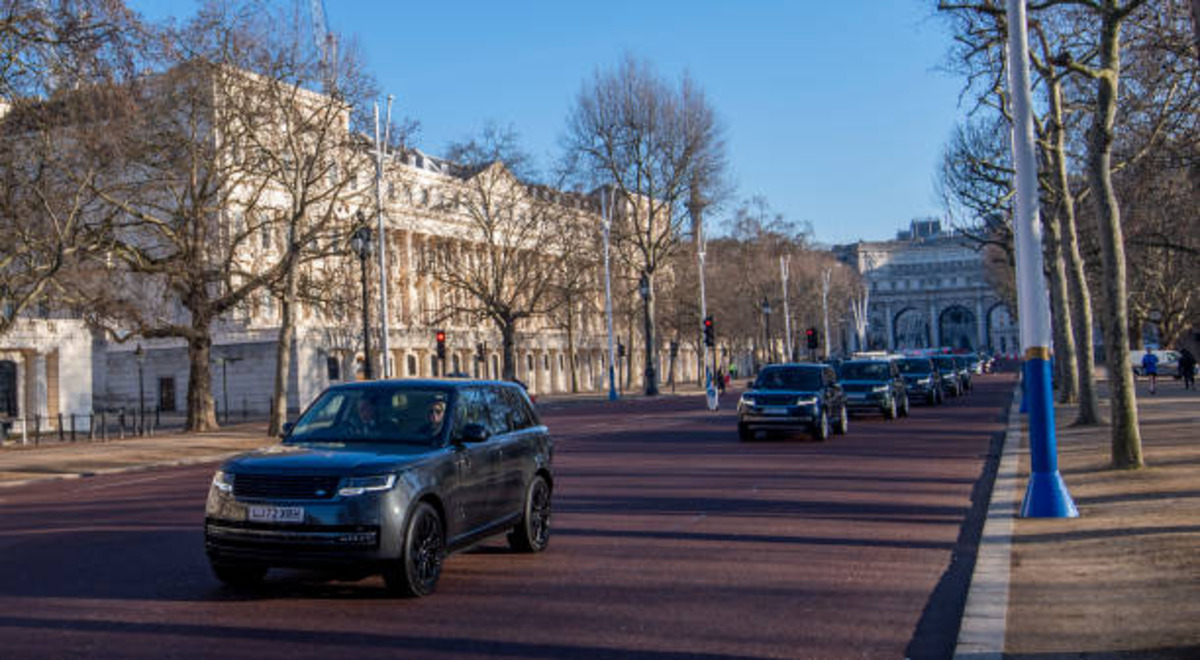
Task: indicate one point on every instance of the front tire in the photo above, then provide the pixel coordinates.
(904, 407)
(744, 433)
(843, 423)
(820, 430)
(889, 412)
(532, 534)
(416, 572)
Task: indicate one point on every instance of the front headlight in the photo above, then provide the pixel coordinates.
(352, 486)
(223, 482)
(925, 381)
(806, 401)
(746, 400)
(881, 389)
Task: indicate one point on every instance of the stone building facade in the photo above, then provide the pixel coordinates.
(928, 290)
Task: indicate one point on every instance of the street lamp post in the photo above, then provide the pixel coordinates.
(360, 242)
(224, 361)
(140, 354)
(651, 372)
(766, 310)
(606, 219)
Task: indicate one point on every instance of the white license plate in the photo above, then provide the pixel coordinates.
(775, 410)
(276, 514)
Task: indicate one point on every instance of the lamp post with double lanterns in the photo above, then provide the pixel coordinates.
(651, 372)
(140, 354)
(766, 311)
(360, 242)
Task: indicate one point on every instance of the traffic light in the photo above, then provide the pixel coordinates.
(814, 340)
(620, 350)
(441, 344)
(709, 340)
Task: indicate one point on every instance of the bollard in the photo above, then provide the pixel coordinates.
(72, 427)
(62, 437)
(92, 425)
(121, 424)
(37, 429)
(104, 426)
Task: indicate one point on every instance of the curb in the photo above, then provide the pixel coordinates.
(982, 630)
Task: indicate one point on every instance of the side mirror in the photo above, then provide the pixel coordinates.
(473, 433)
(287, 429)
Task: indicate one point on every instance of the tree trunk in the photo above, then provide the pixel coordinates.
(1064, 336)
(283, 358)
(201, 416)
(508, 340)
(1126, 437)
(650, 369)
(571, 350)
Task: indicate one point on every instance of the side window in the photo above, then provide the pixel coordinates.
(499, 412)
(519, 414)
(470, 408)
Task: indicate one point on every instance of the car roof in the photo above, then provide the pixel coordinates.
(420, 383)
(796, 365)
(867, 361)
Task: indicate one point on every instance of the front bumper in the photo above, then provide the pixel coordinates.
(778, 416)
(342, 532)
(857, 401)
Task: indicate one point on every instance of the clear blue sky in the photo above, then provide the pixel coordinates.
(835, 112)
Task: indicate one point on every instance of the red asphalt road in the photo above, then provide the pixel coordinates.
(671, 540)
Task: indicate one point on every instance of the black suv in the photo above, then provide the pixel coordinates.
(386, 477)
(807, 397)
(874, 386)
(952, 380)
(923, 379)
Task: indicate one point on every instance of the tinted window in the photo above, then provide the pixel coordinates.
(789, 379)
(520, 416)
(865, 371)
(915, 366)
(944, 363)
(471, 408)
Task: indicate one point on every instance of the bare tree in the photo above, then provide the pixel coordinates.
(512, 242)
(651, 141)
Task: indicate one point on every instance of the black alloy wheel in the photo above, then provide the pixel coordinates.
(532, 534)
(820, 430)
(419, 567)
(745, 434)
(843, 424)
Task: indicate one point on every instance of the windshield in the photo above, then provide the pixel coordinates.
(865, 371)
(944, 363)
(915, 366)
(375, 414)
(789, 379)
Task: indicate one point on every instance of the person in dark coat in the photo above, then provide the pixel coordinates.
(1187, 369)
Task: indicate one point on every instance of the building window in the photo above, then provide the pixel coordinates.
(412, 365)
(333, 368)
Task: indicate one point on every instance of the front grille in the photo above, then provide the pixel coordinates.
(774, 399)
(284, 487)
(859, 387)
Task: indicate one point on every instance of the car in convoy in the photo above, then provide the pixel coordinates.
(385, 477)
(794, 397)
(964, 371)
(922, 378)
(952, 379)
(874, 385)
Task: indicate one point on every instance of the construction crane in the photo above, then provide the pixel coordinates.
(326, 44)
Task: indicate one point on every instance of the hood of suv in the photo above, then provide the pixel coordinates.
(329, 458)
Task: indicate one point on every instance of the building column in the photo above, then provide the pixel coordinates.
(935, 331)
(980, 325)
(890, 327)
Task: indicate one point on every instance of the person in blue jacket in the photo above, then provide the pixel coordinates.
(1150, 368)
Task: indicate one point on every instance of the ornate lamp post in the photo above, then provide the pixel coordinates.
(360, 242)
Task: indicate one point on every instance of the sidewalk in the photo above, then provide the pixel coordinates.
(1122, 581)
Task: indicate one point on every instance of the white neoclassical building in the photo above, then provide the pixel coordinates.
(928, 290)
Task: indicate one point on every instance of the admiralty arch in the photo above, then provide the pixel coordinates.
(928, 290)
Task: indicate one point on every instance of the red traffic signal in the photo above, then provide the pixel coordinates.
(441, 344)
(441, 337)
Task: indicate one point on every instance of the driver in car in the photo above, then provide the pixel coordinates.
(434, 418)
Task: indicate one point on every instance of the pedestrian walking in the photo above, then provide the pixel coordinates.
(1187, 368)
(720, 381)
(1150, 368)
(733, 370)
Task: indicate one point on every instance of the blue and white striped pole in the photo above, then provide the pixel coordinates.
(1046, 495)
